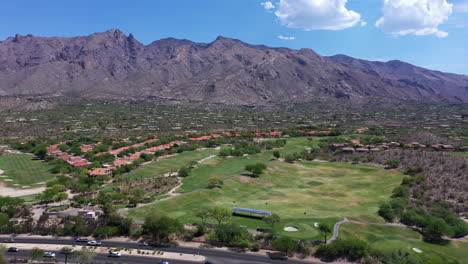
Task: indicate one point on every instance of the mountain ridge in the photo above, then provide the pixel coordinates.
(112, 65)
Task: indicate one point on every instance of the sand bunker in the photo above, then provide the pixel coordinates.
(291, 229)
(14, 192)
(417, 250)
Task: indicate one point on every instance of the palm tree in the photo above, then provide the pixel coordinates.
(324, 229)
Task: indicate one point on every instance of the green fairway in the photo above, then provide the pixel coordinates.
(301, 193)
(225, 168)
(21, 170)
(384, 237)
(172, 163)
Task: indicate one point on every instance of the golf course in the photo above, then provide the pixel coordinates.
(301, 193)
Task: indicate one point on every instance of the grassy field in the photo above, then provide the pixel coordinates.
(302, 193)
(460, 154)
(23, 170)
(224, 168)
(384, 238)
(166, 165)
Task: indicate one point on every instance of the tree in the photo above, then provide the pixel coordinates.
(289, 158)
(324, 229)
(61, 197)
(66, 251)
(399, 257)
(435, 229)
(48, 195)
(284, 244)
(219, 214)
(161, 227)
(86, 255)
(215, 182)
(386, 212)
(36, 253)
(184, 172)
(3, 258)
(255, 169)
(393, 164)
(276, 154)
(272, 220)
(4, 220)
(203, 215)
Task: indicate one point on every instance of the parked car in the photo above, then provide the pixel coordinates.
(114, 254)
(81, 240)
(9, 240)
(94, 243)
(13, 249)
(163, 262)
(49, 254)
(143, 244)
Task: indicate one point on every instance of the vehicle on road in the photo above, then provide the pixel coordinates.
(114, 254)
(13, 249)
(209, 262)
(94, 243)
(143, 244)
(9, 240)
(163, 262)
(81, 240)
(49, 254)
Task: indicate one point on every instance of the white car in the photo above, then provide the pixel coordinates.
(94, 243)
(163, 262)
(49, 254)
(114, 254)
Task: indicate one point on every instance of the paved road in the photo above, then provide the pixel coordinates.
(100, 258)
(217, 256)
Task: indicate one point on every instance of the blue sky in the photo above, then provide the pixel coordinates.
(428, 33)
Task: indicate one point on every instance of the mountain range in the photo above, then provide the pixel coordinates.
(113, 65)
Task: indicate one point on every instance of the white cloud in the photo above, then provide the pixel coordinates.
(418, 17)
(363, 23)
(268, 5)
(316, 14)
(286, 38)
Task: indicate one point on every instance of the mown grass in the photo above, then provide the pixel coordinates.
(390, 238)
(301, 193)
(166, 165)
(24, 170)
(227, 167)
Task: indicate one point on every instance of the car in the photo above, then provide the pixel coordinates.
(9, 240)
(81, 240)
(114, 254)
(94, 243)
(163, 262)
(143, 244)
(13, 249)
(49, 254)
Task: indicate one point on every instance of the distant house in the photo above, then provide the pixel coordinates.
(348, 150)
(100, 172)
(362, 150)
(90, 214)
